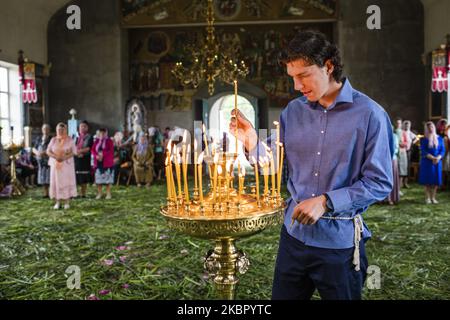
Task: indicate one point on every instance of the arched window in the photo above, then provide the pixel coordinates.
(220, 117)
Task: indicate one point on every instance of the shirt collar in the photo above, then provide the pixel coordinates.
(345, 95)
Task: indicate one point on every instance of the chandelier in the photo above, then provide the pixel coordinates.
(212, 63)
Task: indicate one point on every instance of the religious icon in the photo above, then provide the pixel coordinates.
(227, 9)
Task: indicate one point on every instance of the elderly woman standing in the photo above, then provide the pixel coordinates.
(40, 152)
(103, 154)
(432, 152)
(143, 161)
(61, 151)
(84, 143)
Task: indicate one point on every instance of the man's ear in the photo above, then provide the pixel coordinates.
(330, 67)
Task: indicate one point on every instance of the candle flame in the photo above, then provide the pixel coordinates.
(219, 169)
(169, 144)
(276, 123)
(243, 171)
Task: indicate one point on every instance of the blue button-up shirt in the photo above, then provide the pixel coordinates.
(343, 151)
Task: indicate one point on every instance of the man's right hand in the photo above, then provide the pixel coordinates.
(246, 133)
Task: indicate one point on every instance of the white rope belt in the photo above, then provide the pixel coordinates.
(357, 222)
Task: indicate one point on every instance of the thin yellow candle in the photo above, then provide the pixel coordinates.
(256, 177)
(277, 126)
(219, 172)
(200, 168)
(280, 169)
(169, 165)
(216, 160)
(169, 189)
(177, 169)
(186, 186)
(263, 165)
(195, 162)
(227, 180)
(184, 167)
(272, 172)
(243, 179)
(172, 181)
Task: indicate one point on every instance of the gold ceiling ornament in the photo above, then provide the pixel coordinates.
(213, 62)
(224, 210)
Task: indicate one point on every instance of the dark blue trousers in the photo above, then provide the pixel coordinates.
(300, 269)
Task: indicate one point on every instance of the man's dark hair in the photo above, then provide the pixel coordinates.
(85, 122)
(314, 48)
(102, 130)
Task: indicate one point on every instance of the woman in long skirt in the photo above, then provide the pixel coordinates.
(84, 143)
(40, 152)
(61, 151)
(143, 161)
(432, 152)
(103, 154)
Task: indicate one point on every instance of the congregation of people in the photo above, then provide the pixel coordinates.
(426, 157)
(65, 166)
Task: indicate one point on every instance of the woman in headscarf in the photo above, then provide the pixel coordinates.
(143, 161)
(103, 154)
(61, 151)
(84, 143)
(410, 138)
(40, 152)
(432, 152)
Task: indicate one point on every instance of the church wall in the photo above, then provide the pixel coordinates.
(386, 64)
(23, 26)
(89, 65)
(437, 23)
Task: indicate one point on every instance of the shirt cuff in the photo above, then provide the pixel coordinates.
(340, 200)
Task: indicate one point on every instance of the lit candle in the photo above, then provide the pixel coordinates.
(277, 126)
(243, 179)
(184, 167)
(169, 189)
(256, 178)
(228, 165)
(263, 165)
(272, 173)
(172, 180)
(177, 169)
(216, 160)
(280, 169)
(219, 172)
(195, 162)
(200, 168)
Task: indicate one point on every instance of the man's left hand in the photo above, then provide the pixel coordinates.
(310, 211)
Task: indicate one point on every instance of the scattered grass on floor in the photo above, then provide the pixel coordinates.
(125, 250)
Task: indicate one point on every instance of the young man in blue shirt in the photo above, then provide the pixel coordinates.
(337, 146)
